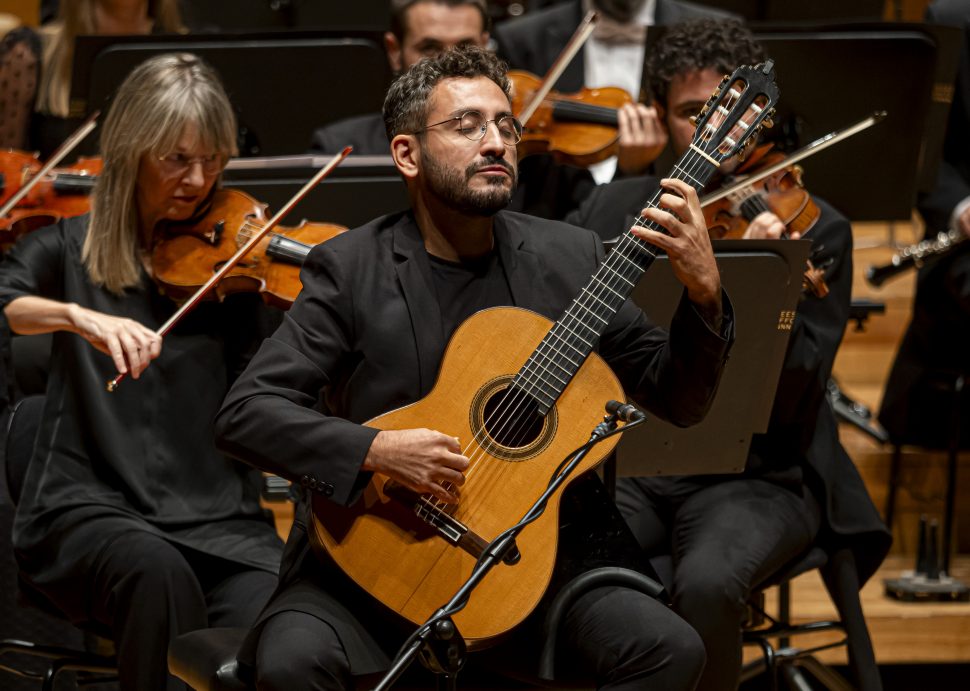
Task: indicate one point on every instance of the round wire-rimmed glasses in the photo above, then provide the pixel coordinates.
(472, 125)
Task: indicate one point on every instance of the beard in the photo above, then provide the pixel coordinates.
(451, 185)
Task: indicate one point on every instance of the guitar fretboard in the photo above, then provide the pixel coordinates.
(575, 334)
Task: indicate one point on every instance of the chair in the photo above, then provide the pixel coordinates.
(22, 429)
(206, 659)
(792, 663)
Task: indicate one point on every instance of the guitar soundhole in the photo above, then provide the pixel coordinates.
(507, 423)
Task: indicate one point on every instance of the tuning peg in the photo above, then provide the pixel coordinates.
(769, 120)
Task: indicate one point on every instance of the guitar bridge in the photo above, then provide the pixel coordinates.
(448, 527)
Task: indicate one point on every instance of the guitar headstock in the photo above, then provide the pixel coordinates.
(742, 104)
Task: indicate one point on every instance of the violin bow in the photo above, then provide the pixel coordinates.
(579, 37)
(242, 252)
(810, 149)
(63, 150)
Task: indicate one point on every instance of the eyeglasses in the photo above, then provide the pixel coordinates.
(175, 164)
(473, 126)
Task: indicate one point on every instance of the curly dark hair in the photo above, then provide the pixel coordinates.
(407, 102)
(699, 44)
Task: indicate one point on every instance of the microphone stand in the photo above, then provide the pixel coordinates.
(437, 640)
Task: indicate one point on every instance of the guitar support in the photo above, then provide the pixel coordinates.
(437, 641)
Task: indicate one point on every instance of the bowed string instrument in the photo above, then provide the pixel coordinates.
(33, 196)
(194, 257)
(581, 128)
(772, 182)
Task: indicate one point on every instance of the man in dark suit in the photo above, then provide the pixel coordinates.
(368, 333)
(729, 533)
(419, 28)
(613, 56)
(918, 404)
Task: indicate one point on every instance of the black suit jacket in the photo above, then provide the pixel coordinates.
(366, 332)
(534, 41)
(802, 442)
(365, 133)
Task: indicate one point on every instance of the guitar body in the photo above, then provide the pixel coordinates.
(402, 558)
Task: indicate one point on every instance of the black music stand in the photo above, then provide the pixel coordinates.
(831, 76)
(358, 190)
(233, 15)
(764, 281)
(283, 86)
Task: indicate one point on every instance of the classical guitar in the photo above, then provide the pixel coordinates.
(520, 393)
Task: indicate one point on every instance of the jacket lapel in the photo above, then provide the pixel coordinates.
(414, 275)
(522, 266)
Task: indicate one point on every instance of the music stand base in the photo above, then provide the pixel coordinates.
(914, 587)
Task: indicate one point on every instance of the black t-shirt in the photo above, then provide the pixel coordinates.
(469, 286)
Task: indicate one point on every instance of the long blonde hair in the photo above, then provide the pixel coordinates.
(78, 18)
(149, 113)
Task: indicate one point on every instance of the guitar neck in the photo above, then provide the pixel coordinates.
(552, 365)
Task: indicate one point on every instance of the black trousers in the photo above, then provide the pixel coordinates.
(625, 640)
(725, 538)
(146, 591)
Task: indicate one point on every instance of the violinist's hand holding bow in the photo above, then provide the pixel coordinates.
(130, 345)
(688, 246)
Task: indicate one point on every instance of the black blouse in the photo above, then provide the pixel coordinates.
(142, 457)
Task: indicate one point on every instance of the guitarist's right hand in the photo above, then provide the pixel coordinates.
(426, 461)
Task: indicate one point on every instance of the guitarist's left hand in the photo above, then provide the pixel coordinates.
(688, 245)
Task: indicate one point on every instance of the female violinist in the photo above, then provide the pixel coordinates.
(131, 522)
(799, 487)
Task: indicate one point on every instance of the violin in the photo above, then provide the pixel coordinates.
(580, 128)
(782, 193)
(30, 195)
(63, 193)
(211, 227)
(188, 254)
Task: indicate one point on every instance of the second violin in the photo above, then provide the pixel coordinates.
(782, 193)
(580, 129)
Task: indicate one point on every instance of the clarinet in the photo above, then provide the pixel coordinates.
(915, 256)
